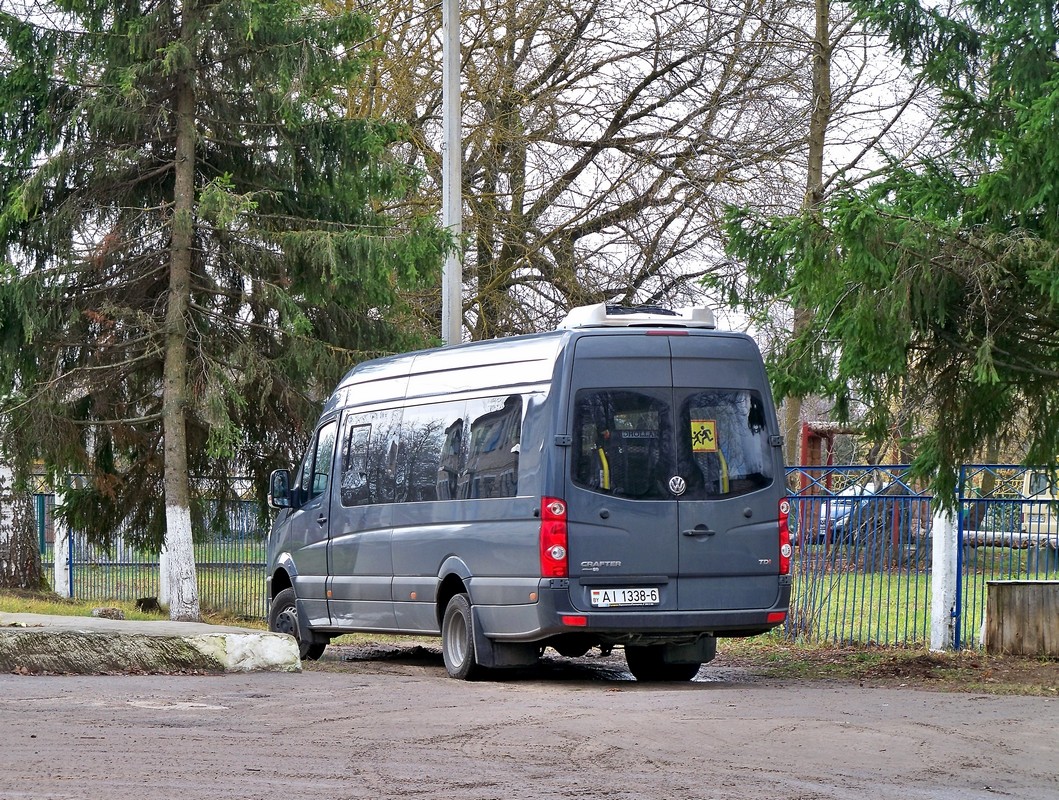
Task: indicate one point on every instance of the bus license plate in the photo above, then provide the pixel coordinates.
(608, 598)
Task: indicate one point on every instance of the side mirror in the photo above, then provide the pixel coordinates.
(279, 489)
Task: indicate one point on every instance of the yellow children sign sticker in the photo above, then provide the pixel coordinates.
(704, 436)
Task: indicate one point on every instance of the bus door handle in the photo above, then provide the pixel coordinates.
(321, 520)
(702, 529)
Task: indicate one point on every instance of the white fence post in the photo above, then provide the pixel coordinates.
(163, 578)
(62, 553)
(943, 581)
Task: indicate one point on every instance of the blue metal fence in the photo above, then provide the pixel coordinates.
(1008, 530)
(863, 564)
(862, 568)
(230, 554)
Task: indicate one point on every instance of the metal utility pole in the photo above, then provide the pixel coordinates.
(452, 173)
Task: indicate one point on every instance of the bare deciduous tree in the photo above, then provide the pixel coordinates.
(603, 141)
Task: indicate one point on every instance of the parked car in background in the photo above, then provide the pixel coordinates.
(1039, 517)
(840, 515)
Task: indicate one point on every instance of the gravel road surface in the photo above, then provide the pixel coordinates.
(388, 723)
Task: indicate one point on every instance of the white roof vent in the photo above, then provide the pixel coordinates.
(603, 316)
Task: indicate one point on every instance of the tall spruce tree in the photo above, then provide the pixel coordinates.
(934, 292)
(195, 242)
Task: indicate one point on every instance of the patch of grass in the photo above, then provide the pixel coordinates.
(395, 640)
(915, 667)
(14, 601)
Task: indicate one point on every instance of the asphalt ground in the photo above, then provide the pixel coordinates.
(373, 723)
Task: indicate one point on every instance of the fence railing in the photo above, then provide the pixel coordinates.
(862, 565)
(230, 559)
(863, 570)
(1009, 529)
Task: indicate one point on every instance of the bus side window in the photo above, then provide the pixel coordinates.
(493, 449)
(354, 466)
(325, 451)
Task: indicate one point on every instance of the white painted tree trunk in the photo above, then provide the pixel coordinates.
(182, 585)
(943, 581)
(180, 578)
(62, 553)
(7, 518)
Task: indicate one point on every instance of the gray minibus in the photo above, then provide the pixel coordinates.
(617, 481)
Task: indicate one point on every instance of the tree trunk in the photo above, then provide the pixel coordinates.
(977, 513)
(20, 564)
(181, 579)
(819, 121)
(820, 113)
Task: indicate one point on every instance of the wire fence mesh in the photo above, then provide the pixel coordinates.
(862, 567)
(863, 571)
(230, 552)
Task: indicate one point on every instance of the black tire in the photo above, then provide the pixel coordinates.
(283, 618)
(457, 640)
(648, 666)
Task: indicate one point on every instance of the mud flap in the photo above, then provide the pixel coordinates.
(701, 651)
(492, 654)
(305, 628)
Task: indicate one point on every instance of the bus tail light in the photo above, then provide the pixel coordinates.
(554, 556)
(785, 537)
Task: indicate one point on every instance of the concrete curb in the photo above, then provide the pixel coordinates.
(40, 643)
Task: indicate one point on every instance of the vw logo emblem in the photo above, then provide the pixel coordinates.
(677, 485)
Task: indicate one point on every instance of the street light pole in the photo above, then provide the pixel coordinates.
(452, 174)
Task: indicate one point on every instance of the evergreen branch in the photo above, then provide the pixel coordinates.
(126, 421)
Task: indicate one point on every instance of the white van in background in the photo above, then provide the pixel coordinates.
(1039, 516)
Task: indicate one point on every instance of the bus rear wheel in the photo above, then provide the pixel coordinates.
(457, 640)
